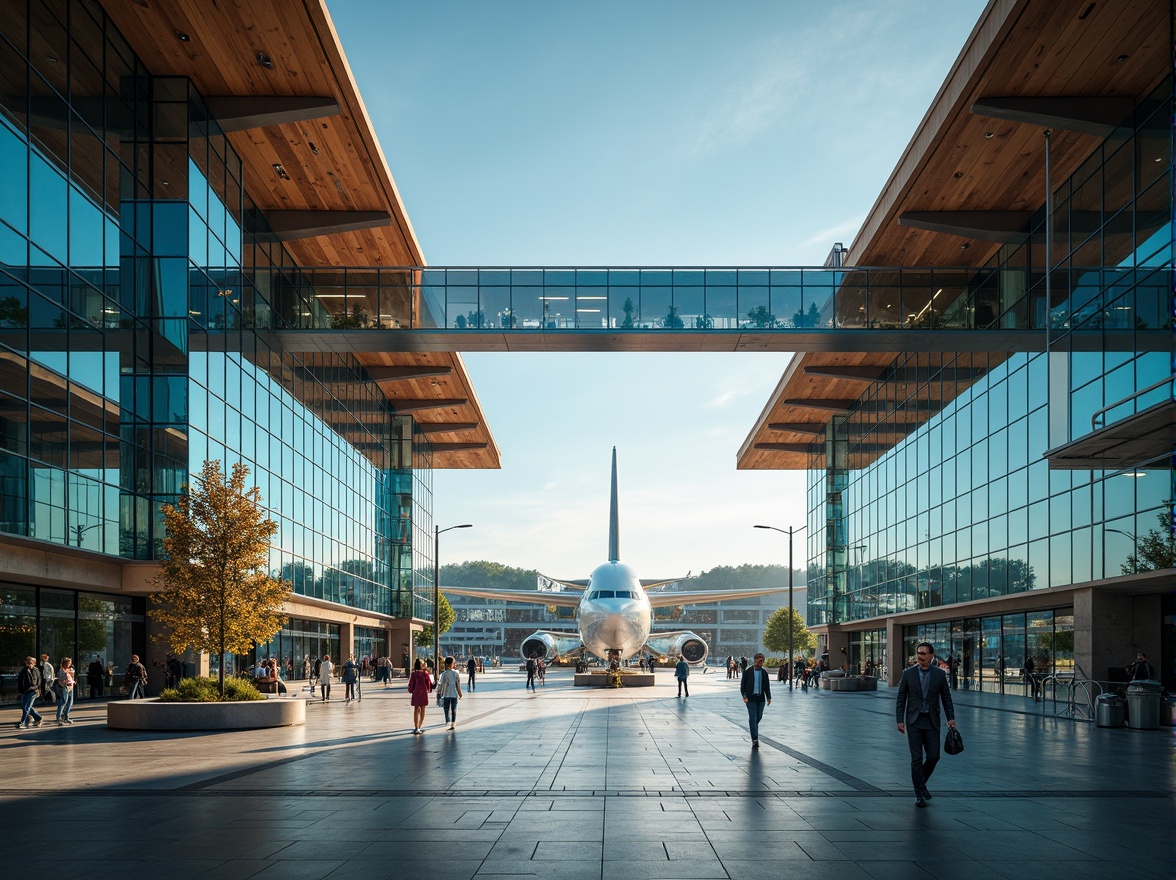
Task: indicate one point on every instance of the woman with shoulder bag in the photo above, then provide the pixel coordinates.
(65, 690)
(419, 686)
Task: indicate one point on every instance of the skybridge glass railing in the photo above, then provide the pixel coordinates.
(521, 300)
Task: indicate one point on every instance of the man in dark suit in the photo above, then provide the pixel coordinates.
(920, 690)
(756, 691)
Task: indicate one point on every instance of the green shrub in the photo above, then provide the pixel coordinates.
(206, 690)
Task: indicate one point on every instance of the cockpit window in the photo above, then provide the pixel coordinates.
(606, 594)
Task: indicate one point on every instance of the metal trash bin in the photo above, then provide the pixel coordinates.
(1108, 711)
(1143, 705)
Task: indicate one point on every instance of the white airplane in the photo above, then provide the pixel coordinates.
(614, 608)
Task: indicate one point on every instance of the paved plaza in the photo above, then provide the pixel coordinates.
(632, 784)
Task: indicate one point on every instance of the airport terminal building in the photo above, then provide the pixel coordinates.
(168, 168)
(1003, 504)
(203, 255)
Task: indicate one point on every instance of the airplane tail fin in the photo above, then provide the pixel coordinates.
(614, 534)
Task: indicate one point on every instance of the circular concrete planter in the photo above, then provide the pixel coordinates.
(154, 715)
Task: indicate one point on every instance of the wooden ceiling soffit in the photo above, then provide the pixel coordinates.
(904, 376)
(407, 406)
(391, 374)
(837, 407)
(1001, 226)
(1099, 115)
(241, 113)
(294, 225)
(445, 427)
(813, 428)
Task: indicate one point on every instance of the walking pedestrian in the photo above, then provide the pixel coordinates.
(94, 675)
(419, 686)
(756, 690)
(1030, 668)
(325, 668)
(28, 688)
(920, 690)
(541, 671)
(135, 678)
(351, 672)
(682, 672)
(471, 672)
(532, 666)
(449, 691)
(65, 690)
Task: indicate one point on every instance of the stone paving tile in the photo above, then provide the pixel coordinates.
(638, 779)
(663, 869)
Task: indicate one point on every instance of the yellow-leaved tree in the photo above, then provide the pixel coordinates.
(217, 596)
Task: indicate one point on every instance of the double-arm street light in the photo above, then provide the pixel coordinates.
(437, 530)
(791, 658)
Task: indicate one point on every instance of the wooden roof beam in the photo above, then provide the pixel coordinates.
(903, 376)
(240, 113)
(1098, 115)
(1002, 226)
(445, 427)
(294, 225)
(392, 374)
(837, 407)
(456, 447)
(813, 428)
(799, 448)
(407, 406)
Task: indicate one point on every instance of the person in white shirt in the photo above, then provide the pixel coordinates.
(324, 677)
(449, 691)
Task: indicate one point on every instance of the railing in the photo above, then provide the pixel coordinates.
(1131, 398)
(517, 300)
(1081, 696)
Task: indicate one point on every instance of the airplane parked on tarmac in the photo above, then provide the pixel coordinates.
(614, 608)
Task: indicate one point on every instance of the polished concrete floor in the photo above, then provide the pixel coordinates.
(634, 784)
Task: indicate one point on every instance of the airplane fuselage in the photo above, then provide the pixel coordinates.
(614, 614)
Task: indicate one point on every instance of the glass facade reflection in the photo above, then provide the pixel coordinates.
(936, 490)
(135, 274)
(992, 653)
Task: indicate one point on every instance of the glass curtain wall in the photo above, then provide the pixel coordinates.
(134, 273)
(990, 653)
(962, 504)
(86, 627)
(297, 646)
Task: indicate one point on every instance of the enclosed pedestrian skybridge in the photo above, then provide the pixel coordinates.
(716, 309)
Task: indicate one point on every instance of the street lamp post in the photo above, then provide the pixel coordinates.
(437, 530)
(791, 659)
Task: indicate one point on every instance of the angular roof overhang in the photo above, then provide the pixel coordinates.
(334, 165)
(965, 167)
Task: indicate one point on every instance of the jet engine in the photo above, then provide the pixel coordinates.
(539, 645)
(672, 645)
(690, 647)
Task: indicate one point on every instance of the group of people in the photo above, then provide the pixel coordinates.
(38, 680)
(447, 686)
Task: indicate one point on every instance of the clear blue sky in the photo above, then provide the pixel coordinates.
(664, 132)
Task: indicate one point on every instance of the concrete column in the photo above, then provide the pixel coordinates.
(895, 661)
(199, 662)
(838, 641)
(1109, 628)
(153, 656)
(346, 642)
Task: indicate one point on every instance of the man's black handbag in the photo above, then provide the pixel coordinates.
(954, 744)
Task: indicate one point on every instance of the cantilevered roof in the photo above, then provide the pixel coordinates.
(335, 168)
(960, 161)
